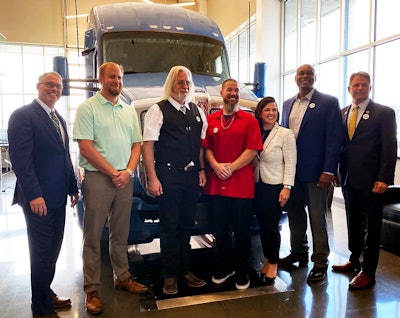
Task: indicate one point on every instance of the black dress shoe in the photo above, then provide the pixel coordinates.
(268, 281)
(292, 258)
(317, 274)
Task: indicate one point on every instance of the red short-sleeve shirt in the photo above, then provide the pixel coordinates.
(227, 145)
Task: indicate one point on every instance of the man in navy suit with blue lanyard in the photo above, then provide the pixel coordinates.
(316, 122)
(39, 152)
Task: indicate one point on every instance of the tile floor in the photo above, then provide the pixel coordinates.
(292, 298)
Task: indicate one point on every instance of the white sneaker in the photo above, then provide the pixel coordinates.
(221, 277)
(242, 281)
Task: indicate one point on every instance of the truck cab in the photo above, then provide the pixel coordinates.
(147, 40)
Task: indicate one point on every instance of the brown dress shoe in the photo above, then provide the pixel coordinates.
(170, 286)
(347, 267)
(130, 285)
(60, 302)
(361, 281)
(53, 315)
(194, 281)
(94, 305)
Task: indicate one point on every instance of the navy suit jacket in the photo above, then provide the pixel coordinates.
(41, 162)
(320, 136)
(371, 154)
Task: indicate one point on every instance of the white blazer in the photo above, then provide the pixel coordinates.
(276, 163)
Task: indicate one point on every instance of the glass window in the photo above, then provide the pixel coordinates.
(252, 54)
(32, 57)
(385, 89)
(243, 58)
(290, 37)
(308, 26)
(140, 53)
(353, 63)
(233, 57)
(328, 79)
(242, 52)
(10, 103)
(387, 13)
(356, 28)
(20, 66)
(11, 67)
(290, 86)
(330, 27)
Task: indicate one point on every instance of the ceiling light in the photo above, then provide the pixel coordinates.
(76, 16)
(178, 4)
(184, 4)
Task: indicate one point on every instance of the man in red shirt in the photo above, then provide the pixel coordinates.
(231, 143)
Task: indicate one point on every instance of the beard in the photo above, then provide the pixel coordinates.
(115, 90)
(231, 103)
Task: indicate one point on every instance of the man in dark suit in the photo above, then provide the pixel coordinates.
(316, 122)
(367, 168)
(38, 144)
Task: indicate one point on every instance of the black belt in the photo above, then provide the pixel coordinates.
(189, 167)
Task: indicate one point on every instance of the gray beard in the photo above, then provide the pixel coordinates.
(231, 107)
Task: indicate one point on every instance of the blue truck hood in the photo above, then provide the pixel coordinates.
(149, 85)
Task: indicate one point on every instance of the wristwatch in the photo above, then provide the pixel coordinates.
(131, 173)
(289, 187)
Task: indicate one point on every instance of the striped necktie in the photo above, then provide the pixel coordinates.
(56, 123)
(352, 122)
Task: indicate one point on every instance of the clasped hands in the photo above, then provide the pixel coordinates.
(223, 170)
(120, 178)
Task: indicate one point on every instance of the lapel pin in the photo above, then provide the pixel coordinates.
(312, 105)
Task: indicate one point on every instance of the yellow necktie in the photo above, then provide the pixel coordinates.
(352, 121)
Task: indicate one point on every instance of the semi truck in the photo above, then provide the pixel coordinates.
(147, 40)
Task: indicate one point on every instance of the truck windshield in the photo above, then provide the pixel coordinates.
(154, 52)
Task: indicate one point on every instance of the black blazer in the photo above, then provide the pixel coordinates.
(371, 155)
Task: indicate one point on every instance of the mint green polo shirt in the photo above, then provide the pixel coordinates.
(113, 129)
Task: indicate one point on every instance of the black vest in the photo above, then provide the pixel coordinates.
(179, 140)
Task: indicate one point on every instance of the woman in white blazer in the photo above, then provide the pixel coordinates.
(275, 168)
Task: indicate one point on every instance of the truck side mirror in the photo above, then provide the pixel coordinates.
(260, 72)
(60, 65)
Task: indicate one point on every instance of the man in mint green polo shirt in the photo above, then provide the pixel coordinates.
(109, 139)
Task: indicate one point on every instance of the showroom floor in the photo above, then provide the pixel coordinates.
(290, 297)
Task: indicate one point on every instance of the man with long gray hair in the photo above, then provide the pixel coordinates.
(174, 165)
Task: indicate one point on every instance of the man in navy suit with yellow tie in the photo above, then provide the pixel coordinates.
(315, 120)
(367, 168)
(39, 152)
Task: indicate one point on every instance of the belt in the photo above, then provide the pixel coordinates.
(189, 167)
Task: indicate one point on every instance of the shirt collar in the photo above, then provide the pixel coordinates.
(104, 101)
(176, 104)
(308, 96)
(362, 106)
(46, 108)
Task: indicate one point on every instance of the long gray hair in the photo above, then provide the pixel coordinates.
(172, 78)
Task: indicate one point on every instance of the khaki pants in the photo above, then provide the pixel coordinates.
(104, 202)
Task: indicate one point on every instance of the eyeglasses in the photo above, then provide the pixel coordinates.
(181, 83)
(52, 85)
